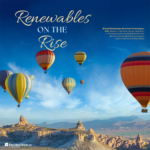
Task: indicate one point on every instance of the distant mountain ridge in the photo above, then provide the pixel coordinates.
(112, 123)
(8, 121)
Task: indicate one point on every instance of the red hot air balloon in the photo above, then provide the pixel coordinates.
(45, 59)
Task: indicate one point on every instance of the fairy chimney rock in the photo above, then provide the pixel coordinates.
(139, 139)
(91, 131)
(80, 126)
(22, 121)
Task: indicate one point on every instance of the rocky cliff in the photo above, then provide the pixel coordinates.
(74, 138)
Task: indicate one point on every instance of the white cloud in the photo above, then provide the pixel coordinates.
(48, 90)
(28, 109)
(104, 96)
(120, 49)
(8, 112)
(16, 69)
(72, 103)
(108, 94)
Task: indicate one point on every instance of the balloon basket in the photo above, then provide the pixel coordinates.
(18, 105)
(144, 110)
(45, 72)
(4, 91)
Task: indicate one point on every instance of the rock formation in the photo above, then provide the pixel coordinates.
(79, 136)
(80, 126)
(22, 121)
(139, 139)
(74, 138)
(91, 131)
(117, 141)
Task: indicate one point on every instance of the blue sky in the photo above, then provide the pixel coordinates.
(103, 93)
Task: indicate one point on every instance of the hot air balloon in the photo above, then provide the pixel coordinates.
(3, 75)
(27, 96)
(135, 73)
(18, 86)
(82, 82)
(32, 77)
(80, 57)
(45, 59)
(68, 84)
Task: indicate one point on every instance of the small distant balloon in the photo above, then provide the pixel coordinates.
(18, 86)
(80, 57)
(45, 59)
(32, 77)
(27, 96)
(82, 82)
(68, 84)
(3, 75)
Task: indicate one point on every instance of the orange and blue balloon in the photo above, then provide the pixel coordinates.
(135, 73)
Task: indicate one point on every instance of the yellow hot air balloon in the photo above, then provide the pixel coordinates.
(82, 82)
(135, 73)
(45, 59)
(80, 57)
(18, 86)
(68, 84)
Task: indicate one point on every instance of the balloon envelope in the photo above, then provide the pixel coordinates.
(3, 75)
(68, 84)
(18, 85)
(27, 96)
(45, 59)
(80, 57)
(135, 73)
(32, 77)
(82, 82)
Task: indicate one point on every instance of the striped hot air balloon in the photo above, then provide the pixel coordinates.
(135, 73)
(45, 59)
(18, 86)
(80, 57)
(31, 77)
(68, 84)
(3, 75)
